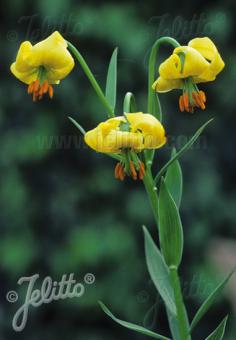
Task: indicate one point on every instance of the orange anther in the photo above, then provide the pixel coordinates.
(181, 103)
(50, 91)
(121, 173)
(45, 86)
(186, 102)
(30, 88)
(198, 101)
(141, 170)
(117, 169)
(36, 85)
(39, 90)
(202, 96)
(133, 171)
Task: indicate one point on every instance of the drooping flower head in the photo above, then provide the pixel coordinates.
(127, 135)
(198, 62)
(43, 64)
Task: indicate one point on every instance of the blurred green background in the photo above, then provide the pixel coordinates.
(61, 209)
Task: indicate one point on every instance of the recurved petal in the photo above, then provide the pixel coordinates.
(95, 140)
(123, 139)
(205, 46)
(209, 51)
(171, 67)
(165, 85)
(52, 53)
(24, 60)
(154, 141)
(110, 124)
(150, 128)
(194, 62)
(56, 74)
(26, 77)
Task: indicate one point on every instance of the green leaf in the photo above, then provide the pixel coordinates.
(174, 180)
(159, 272)
(174, 327)
(157, 111)
(219, 331)
(186, 147)
(112, 80)
(170, 227)
(210, 300)
(81, 129)
(132, 326)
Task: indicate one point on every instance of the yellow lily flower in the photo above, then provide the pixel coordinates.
(189, 65)
(43, 64)
(127, 135)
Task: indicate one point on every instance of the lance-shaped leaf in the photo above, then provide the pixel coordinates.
(79, 127)
(111, 82)
(132, 326)
(210, 300)
(170, 227)
(186, 147)
(159, 272)
(174, 180)
(219, 331)
(173, 323)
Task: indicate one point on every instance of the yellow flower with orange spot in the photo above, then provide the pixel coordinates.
(196, 63)
(43, 64)
(127, 135)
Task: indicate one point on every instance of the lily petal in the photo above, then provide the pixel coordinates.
(209, 51)
(194, 64)
(146, 132)
(50, 53)
(166, 85)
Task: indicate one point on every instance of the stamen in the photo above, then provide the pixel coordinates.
(198, 101)
(50, 91)
(121, 173)
(141, 170)
(39, 90)
(116, 172)
(181, 103)
(36, 85)
(202, 96)
(186, 102)
(133, 171)
(191, 97)
(30, 88)
(45, 86)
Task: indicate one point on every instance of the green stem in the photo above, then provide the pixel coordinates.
(154, 106)
(91, 78)
(152, 193)
(180, 307)
(152, 70)
(129, 104)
